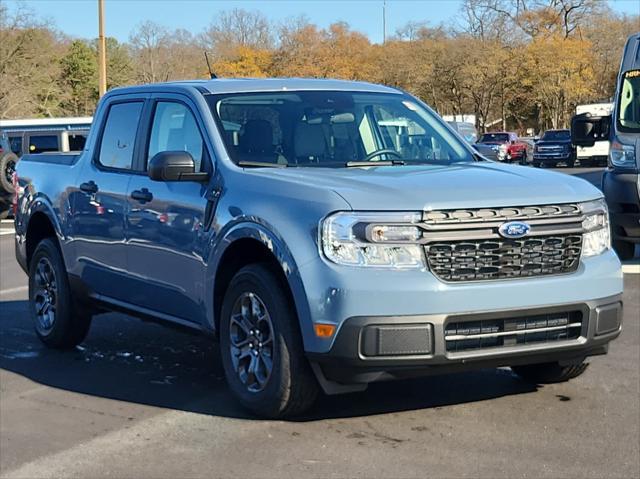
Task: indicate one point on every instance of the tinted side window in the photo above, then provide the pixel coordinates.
(119, 135)
(43, 143)
(77, 141)
(175, 129)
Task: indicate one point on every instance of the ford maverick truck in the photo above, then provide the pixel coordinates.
(330, 234)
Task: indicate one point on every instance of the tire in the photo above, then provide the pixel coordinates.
(624, 249)
(59, 323)
(536, 164)
(523, 159)
(548, 373)
(8, 162)
(256, 298)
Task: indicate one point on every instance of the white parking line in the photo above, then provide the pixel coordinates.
(18, 289)
(4, 232)
(631, 268)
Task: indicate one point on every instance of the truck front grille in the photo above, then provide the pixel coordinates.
(466, 245)
(497, 333)
(500, 259)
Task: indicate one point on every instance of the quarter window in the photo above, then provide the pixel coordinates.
(119, 136)
(43, 143)
(175, 129)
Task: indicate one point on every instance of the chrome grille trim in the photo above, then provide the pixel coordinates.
(462, 337)
(474, 335)
(501, 214)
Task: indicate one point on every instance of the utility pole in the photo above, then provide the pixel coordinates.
(102, 51)
(384, 21)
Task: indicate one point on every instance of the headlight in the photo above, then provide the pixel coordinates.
(597, 238)
(622, 156)
(383, 240)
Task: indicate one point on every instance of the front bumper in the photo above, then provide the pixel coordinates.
(622, 191)
(349, 360)
(549, 158)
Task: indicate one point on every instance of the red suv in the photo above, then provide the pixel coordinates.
(507, 146)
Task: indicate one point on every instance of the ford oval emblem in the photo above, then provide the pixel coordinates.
(514, 229)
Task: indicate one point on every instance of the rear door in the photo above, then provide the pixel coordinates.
(99, 201)
(166, 222)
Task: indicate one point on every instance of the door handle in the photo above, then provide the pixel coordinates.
(143, 195)
(89, 187)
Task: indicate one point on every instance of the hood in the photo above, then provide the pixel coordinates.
(421, 187)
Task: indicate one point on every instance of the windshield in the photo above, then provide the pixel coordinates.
(333, 129)
(494, 138)
(555, 135)
(629, 102)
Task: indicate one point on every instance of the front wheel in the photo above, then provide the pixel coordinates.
(261, 346)
(58, 321)
(547, 373)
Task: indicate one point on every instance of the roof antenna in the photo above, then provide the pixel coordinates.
(211, 74)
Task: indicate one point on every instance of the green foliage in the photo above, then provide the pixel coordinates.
(79, 75)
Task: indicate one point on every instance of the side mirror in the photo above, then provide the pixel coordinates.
(174, 166)
(587, 129)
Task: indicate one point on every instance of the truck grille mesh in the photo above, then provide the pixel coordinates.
(496, 333)
(466, 245)
(499, 259)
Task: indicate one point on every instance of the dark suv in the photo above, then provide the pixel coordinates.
(553, 148)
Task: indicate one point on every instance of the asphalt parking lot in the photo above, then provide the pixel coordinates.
(141, 400)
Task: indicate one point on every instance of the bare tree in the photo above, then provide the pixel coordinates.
(237, 28)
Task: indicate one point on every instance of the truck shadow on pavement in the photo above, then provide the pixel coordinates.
(145, 363)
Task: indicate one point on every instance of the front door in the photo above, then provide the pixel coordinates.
(99, 203)
(166, 222)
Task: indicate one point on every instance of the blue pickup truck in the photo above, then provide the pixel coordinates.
(329, 234)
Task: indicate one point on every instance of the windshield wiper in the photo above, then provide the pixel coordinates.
(357, 164)
(262, 164)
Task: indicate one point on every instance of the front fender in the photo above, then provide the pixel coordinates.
(264, 233)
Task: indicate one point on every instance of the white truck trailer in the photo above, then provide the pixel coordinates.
(598, 153)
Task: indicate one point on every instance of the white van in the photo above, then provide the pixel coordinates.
(599, 152)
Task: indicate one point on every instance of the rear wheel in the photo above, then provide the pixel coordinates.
(59, 323)
(549, 372)
(261, 346)
(523, 159)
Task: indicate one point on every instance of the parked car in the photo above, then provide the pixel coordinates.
(554, 148)
(621, 181)
(507, 146)
(8, 161)
(329, 233)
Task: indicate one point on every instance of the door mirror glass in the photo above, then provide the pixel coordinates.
(174, 166)
(587, 129)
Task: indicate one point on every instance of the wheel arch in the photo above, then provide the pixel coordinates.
(41, 225)
(249, 244)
